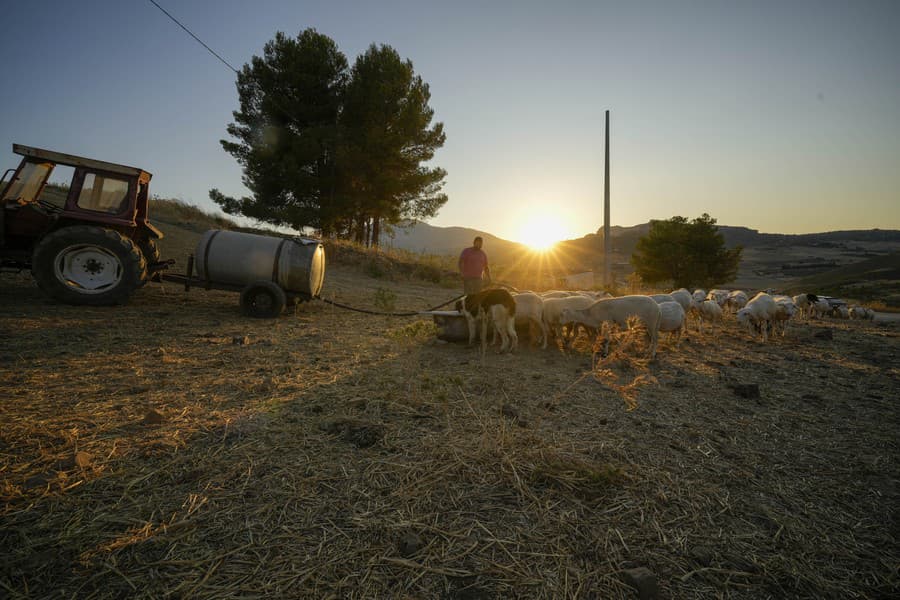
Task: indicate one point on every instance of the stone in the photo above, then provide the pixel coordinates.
(644, 581)
(410, 544)
(825, 334)
(745, 390)
(703, 555)
(241, 340)
(153, 418)
(83, 460)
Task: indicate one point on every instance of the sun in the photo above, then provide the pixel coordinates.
(542, 232)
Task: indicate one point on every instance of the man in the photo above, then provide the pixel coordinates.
(473, 266)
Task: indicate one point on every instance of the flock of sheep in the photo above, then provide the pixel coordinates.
(560, 314)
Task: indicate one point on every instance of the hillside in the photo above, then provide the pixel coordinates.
(873, 279)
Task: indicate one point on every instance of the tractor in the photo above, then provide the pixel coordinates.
(94, 248)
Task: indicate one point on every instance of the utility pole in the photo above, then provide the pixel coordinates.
(607, 243)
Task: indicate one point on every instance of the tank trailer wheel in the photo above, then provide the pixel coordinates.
(263, 300)
(88, 265)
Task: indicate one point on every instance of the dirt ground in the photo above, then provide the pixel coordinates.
(173, 448)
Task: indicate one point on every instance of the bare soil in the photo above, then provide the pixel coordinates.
(172, 447)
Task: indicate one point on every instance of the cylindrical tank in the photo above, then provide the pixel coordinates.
(296, 264)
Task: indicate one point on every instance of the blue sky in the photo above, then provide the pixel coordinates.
(780, 116)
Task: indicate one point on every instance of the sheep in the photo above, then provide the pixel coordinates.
(556, 294)
(840, 312)
(718, 296)
(803, 302)
(683, 297)
(618, 310)
(553, 308)
(784, 312)
(660, 298)
(819, 308)
(759, 313)
(857, 312)
(870, 314)
(708, 310)
(530, 311)
(498, 304)
(736, 300)
(672, 319)
(699, 296)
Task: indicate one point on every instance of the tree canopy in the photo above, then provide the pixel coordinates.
(339, 150)
(687, 253)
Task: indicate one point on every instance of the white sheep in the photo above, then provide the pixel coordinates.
(857, 312)
(736, 300)
(618, 310)
(684, 298)
(699, 296)
(819, 308)
(718, 296)
(660, 298)
(672, 319)
(759, 314)
(556, 294)
(530, 311)
(708, 310)
(785, 309)
(803, 303)
(841, 312)
(870, 314)
(553, 307)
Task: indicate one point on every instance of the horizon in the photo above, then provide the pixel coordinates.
(780, 118)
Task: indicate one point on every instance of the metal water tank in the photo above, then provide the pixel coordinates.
(296, 264)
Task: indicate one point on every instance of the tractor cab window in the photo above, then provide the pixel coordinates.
(103, 194)
(25, 186)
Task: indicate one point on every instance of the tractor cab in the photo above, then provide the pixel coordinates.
(95, 244)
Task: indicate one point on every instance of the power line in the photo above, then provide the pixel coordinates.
(191, 33)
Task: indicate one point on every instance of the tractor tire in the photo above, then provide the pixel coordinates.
(86, 265)
(150, 250)
(263, 300)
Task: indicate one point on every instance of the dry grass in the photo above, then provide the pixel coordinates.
(144, 454)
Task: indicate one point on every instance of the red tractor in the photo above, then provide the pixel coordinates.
(96, 247)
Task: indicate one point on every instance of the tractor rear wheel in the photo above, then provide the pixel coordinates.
(88, 265)
(263, 300)
(150, 249)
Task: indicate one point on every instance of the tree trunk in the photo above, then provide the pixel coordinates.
(376, 231)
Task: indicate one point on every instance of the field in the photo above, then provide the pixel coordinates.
(173, 448)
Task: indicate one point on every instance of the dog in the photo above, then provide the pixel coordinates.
(498, 304)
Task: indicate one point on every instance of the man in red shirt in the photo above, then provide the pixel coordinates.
(473, 266)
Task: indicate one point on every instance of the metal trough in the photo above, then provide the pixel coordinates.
(451, 324)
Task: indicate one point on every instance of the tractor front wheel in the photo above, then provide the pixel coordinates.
(88, 265)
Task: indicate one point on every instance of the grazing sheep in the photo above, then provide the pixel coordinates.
(699, 296)
(718, 296)
(660, 298)
(840, 312)
(758, 314)
(870, 314)
(498, 304)
(618, 310)
(708, 310)
(553, 308)
(819, 308)
(803, 303)
(530, 311)
(556, 294)
(672, 319)
(683, 297)
(736, 300)
(857, 312)
(785, 309)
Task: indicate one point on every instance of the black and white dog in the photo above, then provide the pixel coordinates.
(499, 306)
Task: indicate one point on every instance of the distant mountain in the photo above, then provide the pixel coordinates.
(428, 239)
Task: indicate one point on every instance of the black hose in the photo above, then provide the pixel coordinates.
(389, 314)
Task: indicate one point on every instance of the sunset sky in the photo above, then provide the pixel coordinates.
(782, 116)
